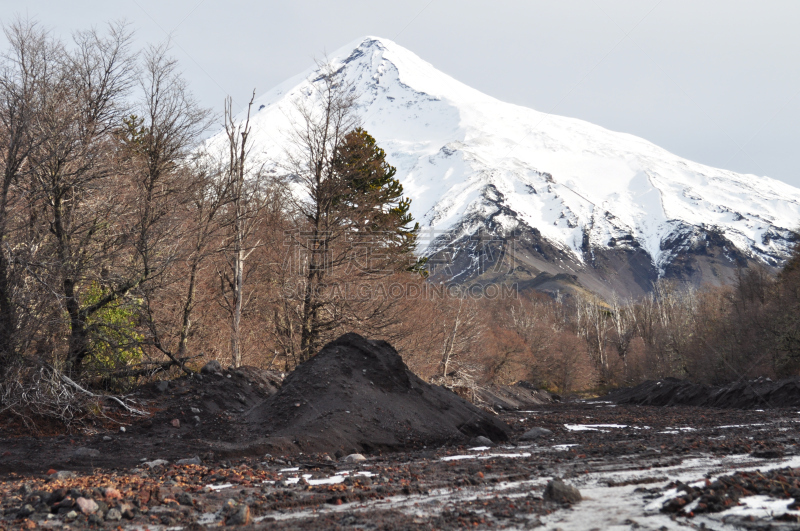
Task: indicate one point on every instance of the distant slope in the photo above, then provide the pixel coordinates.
(611, 211)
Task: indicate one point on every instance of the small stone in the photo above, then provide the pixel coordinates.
(559, 491)
(122, 429)
(156, 462)
(355, 458)
(196, 418)
(191, 461)
(184, 498)
(86, 452)
(64, 474)
(194, 410)
(65, 503)
(240, 516)
(481, 441)
(126, 509)
(87, 506)
(176, 423)
(107, 438)
(535, 433)
(112, 494)
(25, 510)
(212, 367)
(114, 515)
(72, 515)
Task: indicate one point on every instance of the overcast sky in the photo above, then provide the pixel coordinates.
(715, 81)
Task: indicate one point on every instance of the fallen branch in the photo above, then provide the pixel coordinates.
(119, 401)
(158, 367)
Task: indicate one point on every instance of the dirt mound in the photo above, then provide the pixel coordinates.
(358, 395)
(762, 393)
(512, 397)
(207, 406)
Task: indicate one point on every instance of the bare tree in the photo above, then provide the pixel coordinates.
(325, 119)
(167, 185)
(247, 198)
(355, 232)
(623, 320)
(461, 328)
(593, 322)
(23, 74)
(79, 115)
(568, 366)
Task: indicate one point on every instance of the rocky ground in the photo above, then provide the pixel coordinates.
(353, 440)
(635, 466)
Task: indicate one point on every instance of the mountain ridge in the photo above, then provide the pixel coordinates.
(472, 164)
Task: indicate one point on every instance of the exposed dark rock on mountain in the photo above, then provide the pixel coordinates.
(587, 209)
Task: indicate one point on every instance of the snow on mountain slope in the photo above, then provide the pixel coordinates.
(464, 157)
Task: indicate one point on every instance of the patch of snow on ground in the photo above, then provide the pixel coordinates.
(593, 427)
(330, 480)
(614, 508)
(220, 487)
(563, 446)
(761, 506)
(484, 456)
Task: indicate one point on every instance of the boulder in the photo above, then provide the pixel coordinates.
(535, 433)
(87, 506)
(156, 462)
(239, 516)
(212, 367)
(560, 492)
(83, 452)
(481, 441)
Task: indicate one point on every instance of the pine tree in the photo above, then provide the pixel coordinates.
(373, 198)
(357, 228)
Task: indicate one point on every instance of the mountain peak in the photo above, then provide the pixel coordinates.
(470, 162)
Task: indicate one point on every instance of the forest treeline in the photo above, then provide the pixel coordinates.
(129, 245)
(714, 335)
(130, 249)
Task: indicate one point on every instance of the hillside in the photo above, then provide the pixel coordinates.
(508, 193)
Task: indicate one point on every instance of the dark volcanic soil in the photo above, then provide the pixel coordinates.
(649, 453)
(358, 396)
(762, 393)
(637, 466)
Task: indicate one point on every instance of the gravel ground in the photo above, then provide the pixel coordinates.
(637, 467)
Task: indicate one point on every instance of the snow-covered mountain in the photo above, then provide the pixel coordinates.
(597, 208)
